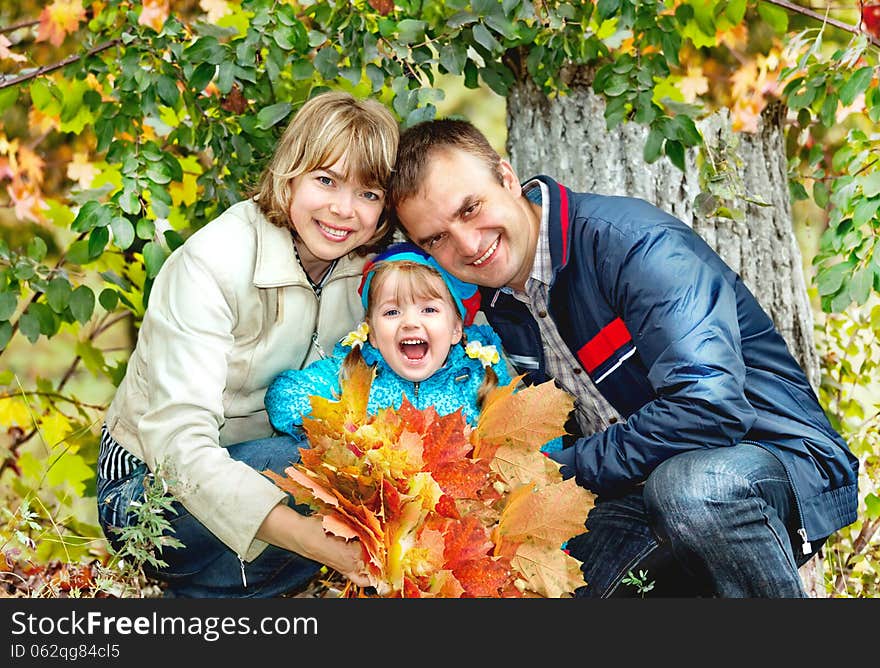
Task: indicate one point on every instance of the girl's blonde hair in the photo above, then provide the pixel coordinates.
(417, 283)
(326, 127)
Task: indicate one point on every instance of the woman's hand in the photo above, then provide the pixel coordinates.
(305, 535)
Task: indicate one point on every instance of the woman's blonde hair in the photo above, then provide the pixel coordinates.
(326, 127)
(415, 284)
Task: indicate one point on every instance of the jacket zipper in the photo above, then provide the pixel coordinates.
(416, 392)
(243, 576)
(315, 343)
(806, 547)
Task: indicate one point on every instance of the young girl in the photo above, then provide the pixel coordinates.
(417, 334)
(268, 283)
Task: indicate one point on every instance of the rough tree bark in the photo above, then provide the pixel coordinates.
(566, 138)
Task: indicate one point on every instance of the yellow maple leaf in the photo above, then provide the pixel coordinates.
(154, 13)
(215, 9)
(81, 170)
(6, 53)
(30, 164)
(550, 515)
(550, 573)
(528, 418)
(693, 84)
(59, 19)
(515, 465)
(14, 412)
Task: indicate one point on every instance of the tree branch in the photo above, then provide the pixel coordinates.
(797, 9)
(20, 24)
(6, 83)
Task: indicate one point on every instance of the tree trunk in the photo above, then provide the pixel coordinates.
(566, 138)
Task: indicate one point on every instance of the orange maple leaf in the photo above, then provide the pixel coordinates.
(59, 19)
(530, 417)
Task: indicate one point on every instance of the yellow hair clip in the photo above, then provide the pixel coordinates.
(486, 354)
(357, 337)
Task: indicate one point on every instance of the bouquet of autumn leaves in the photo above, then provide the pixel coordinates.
(443, 509)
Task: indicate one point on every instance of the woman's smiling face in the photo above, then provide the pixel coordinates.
(332, 214)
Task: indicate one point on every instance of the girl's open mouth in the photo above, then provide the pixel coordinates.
(414, 349)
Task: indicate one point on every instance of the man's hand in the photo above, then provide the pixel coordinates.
(566, 458)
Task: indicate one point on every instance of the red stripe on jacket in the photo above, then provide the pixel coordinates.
(602, 346)
(563, 221)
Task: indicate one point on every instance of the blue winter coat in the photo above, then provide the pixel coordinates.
(674, 340)
(451, 387)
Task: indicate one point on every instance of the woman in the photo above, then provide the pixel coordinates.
(269, 283)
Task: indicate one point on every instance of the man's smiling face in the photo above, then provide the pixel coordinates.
(478, 229)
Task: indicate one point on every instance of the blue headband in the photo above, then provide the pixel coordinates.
(465, 295)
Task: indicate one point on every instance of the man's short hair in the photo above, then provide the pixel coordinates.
(419, 143)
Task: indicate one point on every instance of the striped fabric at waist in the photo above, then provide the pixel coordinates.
(114, 461)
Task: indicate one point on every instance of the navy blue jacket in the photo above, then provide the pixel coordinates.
(675, 341)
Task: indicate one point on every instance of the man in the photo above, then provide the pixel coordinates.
(712, 451)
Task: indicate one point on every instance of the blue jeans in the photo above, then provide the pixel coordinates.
(715, 522)
(205, 567)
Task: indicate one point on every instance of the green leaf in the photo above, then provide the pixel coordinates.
(607, 8)
(797, 191)
(686, 130)
(495, 80)
(78, 252)
(871, 184)
(8, 304)
(865, 210)
(109, 299)
(411, 31)
(98, 242)
(829, 280)
(154, 257)
(485, 39)
(123, 232)
(653, 146)
(45, 318)
(173, 239)
(872, 506)
(273, 114)
(454, 57)
(857, 83)
(130, 201)
(5, 334)
(202, 76)
(8, 97)
(735, 11)
(58, 294)
(167, 89)
(675, 150)
(861, 285)
(91, 214)
(327, 63)
(82, 303)
(820, 194)
(29, 326)
(36, 249)
(775, 16)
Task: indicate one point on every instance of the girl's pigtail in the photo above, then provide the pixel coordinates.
(349, 363)
(490, 382)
